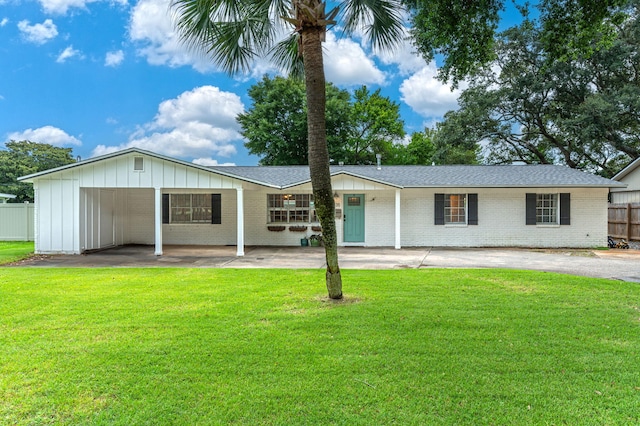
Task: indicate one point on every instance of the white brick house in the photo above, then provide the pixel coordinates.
(139, 197)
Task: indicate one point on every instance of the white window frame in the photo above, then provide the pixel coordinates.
(547, 209)
(448, 210)
(291, 208)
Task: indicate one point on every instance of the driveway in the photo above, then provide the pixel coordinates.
(615, 264)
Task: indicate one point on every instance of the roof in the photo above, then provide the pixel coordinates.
(469, 176)
(630, 168)
(509, 176)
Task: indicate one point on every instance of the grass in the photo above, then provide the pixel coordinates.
(211, 346)
(13, 251)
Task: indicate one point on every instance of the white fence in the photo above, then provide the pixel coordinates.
(16, 222)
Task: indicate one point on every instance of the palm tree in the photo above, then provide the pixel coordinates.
(235, 32)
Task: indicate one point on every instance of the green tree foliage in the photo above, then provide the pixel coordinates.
(463, 32)
(419, 151)
(358, 127)
(583, 112)
(23, 158)
(276, 124)
(375, 127)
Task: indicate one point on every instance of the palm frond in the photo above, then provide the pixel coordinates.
(381, 21)
(286, 56)
(232, 32)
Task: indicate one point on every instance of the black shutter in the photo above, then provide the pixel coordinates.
(472, 206)
(216, 209)
(439, 209)
(565, 209)
(531, 209)
(165, 208)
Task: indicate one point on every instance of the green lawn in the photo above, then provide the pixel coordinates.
(12, 251)
(221, 346)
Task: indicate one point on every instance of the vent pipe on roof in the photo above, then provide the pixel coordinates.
(379, 161)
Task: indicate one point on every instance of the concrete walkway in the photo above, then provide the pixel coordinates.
(614, 264)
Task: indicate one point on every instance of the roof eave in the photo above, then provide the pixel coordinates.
(624, 172)
(29, 178)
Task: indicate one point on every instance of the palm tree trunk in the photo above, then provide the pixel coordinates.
(319, 154)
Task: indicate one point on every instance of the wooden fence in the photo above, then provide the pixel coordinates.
(16, 222)
(624, 221)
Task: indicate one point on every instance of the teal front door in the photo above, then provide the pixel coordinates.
(353, 218)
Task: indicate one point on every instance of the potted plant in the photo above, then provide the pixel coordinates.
(315, 240)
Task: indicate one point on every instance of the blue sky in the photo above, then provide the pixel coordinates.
(98, 76)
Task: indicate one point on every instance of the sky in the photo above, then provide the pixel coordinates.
(99, 76)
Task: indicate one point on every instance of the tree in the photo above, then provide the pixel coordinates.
(419, 151)
(463, 32)
(582, 112)
(374, 128)
(358, 126)
(276, 124)
(24, 158)
(234, 32)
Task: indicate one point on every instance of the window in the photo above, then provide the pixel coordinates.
(548, 209)
(191, 208)
(456, 209)
(284, 208)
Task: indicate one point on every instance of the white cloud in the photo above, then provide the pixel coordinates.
(346, 63)
(4, 22)
(113, 59)
(210, 162)
(427, 95)
(38, 33)
(197, 124)
(61, 7)
(67, 53)
(151, 27)
(404, 57)
(47, 134)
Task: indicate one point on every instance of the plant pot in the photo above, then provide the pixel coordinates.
(304, 242)
(315, 243)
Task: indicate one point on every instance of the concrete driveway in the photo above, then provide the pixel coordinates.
(614, 264)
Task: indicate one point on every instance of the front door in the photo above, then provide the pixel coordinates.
(353, 218)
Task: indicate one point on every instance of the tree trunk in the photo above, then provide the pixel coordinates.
(319, 153)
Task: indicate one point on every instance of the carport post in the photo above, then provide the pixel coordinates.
(240, 221)
(397, 219)
(158, 222)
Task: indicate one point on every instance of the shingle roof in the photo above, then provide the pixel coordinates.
(508, 176)
(432, 176)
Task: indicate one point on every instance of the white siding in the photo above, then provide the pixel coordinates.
(57, 219)
(630, 194)
(118, 173)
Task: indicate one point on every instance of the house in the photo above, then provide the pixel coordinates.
(630, 175)
(5, 197)
(140, 197)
